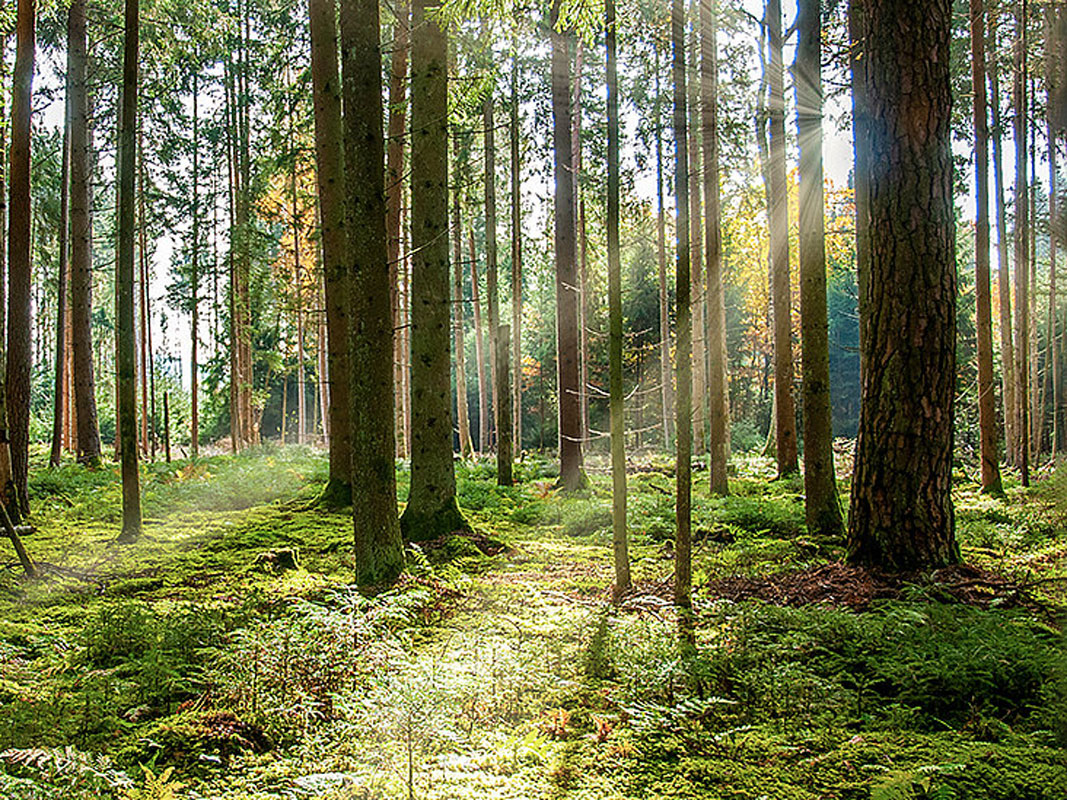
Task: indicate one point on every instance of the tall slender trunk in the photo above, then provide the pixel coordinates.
(194, 282)
(696, 242)
(718, 388)
(987, 413)
(860, 134)
(684, 417)
(378, 546)
(1022, 251)
(1007, 347)
(618, 409)
(394, 203)
(479, 351)
(81, 240)
(1053, 216)
(516, 247)
(779, 236)
(62, 292)
(821, 505)
(142, 291)
(1037, 416)
(466, 450)
(431, 509)
(579, 234)
(569, 389)
(124, 279)
(330, 178)
(661, 270)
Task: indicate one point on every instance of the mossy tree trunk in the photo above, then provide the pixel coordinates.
(901, 515)
(431, 508)
(330, 174)
(378, 546)
(821, 504)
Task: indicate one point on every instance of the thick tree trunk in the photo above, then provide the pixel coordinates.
(378, 546)
(987, 412)
(615, 335)
(124, 280)
(431, 510)
(1022, 254)
(62, 292)
(684, 414)
(81, 241)
(1007, 348)
(718, 388)
(19, 255)
(861, 171)
(821, 505)
(572, 475)
(786, 443)
(901, 515)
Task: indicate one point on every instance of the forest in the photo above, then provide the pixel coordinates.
(562, 400)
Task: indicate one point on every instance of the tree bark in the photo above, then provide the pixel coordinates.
(81, 240)
(696, 242)
(501, 377)
(987, 413)
(194, 283)
(718, 388)
(661, 270)
(901, 515)
(822, 509)
(504, 454)
(394, 200)
(378, 546)
(431, 510)
(786, 443)
(62, 291)
(1022, 253)
(572, 475)
(124, 279)
(615, 334)
(516, 248)
(19, 255)
(1051, 81)
(479, 351)
(466, 450)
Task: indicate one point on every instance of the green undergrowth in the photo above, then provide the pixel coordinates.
(226, 653)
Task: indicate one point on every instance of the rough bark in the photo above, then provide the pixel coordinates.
(81, 241)
(431, 510)
(861, 171)
(718, 388)
(572, 475)
(822, 509)
(901, 515)
(786, 425)
(1051, 81)
(1022, 253)
(19, 254)
(378, 546)
(394, 203)
(987, 412)
(696, 243)
(124, 279)
(516, 249)
(615, 387)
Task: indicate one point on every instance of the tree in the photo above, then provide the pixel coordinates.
(194, 280)
(821, 506)
(516, 244)
(124, 279)
(81, 239)
(1022, 252)
(983, 300)
(431, 510)
(785, 418)
(378, 546)
(330, 175)
(62, 291)
(684, 378)
(466, 449)
(718, 389)
(901, 516)
(19, 257)
(571, 473)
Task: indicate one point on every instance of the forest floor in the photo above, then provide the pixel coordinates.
(226, 655)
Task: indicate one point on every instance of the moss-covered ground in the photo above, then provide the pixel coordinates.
(227, 655)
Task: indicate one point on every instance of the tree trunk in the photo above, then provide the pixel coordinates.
(1022, 254)
(501, 404)
(572, 475)
(504, 454)
(661, 269)
(615, 335)
(62, 291)
(579, 233)
(987, 412)
(1051, 78)
(466, 450)
(821, 506)
(1007, 348)
(19, 256)
(718, 389)
(684, 416)
(394, 203)
(141, 287)
(431, 510)
(860, 132)
(378, 546)
(124, 280)
(479, 351)
(901, 516)
(516, 249)
(194, 283)
(696, 243)
(81, 241)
